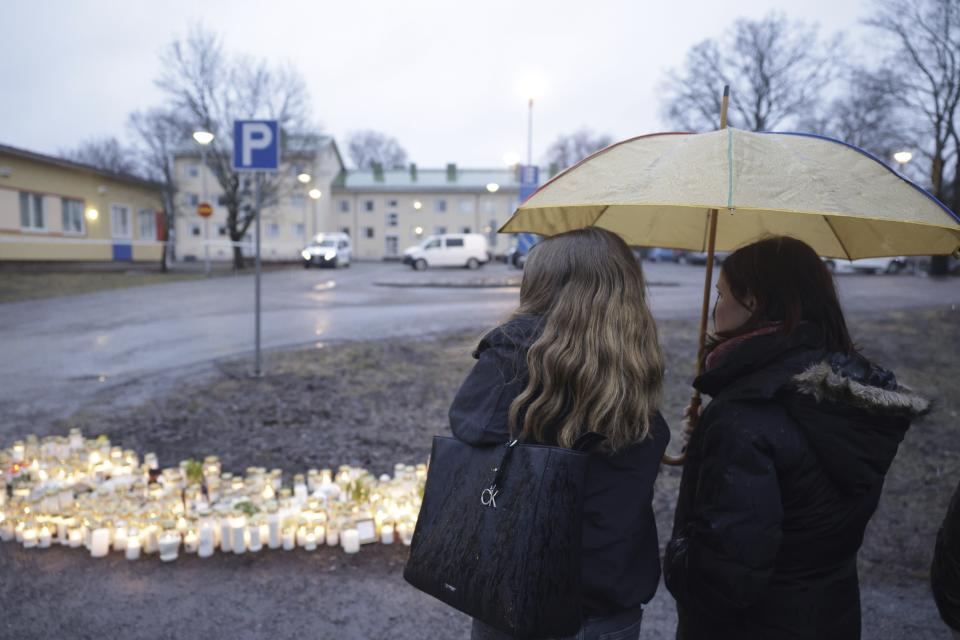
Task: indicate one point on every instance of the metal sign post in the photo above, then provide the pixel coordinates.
(256, 147)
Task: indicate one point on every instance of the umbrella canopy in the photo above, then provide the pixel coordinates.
(655, 190)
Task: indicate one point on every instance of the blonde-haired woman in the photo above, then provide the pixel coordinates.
(580, 354)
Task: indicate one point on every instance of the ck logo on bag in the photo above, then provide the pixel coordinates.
(488, 497)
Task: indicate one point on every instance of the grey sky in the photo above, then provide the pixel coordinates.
(442, 77)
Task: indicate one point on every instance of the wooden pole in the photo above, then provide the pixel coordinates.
(712, 214)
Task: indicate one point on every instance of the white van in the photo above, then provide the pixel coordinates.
(327, 250)
(449, 250)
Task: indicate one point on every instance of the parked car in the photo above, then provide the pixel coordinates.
(522, 243)
(327, 250)
(700, 257)
(468, 250)
(658, 254)
(866, 265)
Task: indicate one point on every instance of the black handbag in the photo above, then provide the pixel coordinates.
(498, 535)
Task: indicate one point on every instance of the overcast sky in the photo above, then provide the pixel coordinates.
(442, 77)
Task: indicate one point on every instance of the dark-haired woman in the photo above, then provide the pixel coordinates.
(581, 354)
(786, 464)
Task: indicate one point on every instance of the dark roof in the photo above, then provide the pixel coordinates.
(79, 166)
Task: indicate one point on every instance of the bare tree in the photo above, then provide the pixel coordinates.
(159, 132)
(106, 153)
(776, 70)
(367, 148)
(924, 38)
(867, 115)
(569, 149)
(212, 90)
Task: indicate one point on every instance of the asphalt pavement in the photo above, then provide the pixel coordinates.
(58, 353)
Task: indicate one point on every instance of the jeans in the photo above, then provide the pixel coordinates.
(622, 626)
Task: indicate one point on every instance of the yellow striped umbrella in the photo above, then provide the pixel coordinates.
(657, 190)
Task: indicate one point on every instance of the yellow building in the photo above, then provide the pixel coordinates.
(57, 210)
(387, 210)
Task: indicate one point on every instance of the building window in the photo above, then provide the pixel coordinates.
(148, 224)
(489, 206)
(298, 200)
(120, 221)
(192, 170)
(273, 230)
(368, 205)
(299, 230)
(344, 206)
(439, 230)
(368, 232)
(345, 230)
(73, 216)
(464, 229)
(391, 219)
(393, 245)
(440, 206)
(193, 199)
(31, 211)
(465, 205)
(222, 230)
(392, 204)
(195, 230)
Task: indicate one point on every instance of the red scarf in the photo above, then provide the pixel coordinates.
(723, 349)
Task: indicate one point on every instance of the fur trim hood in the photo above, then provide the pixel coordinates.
(854, 382)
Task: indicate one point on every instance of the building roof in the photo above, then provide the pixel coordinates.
(79, 166)
(419, 180)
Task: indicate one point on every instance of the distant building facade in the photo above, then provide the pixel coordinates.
(57, 210)
(388, 210)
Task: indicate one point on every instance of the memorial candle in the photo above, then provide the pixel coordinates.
(133, 545)
(351, 541)
(99, 542)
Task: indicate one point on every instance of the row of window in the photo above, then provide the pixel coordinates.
(271, 230)
(33, 217)
(464, 205)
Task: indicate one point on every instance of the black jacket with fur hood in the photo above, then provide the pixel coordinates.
(783, 472)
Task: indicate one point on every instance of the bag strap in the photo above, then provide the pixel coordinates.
(488, 497)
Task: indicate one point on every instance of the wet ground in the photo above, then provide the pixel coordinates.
(378, 402)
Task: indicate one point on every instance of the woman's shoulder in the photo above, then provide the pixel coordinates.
(518, 331)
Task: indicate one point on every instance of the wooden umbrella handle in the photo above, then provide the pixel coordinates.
(675, 461)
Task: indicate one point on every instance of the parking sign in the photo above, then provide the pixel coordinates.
(256, 145)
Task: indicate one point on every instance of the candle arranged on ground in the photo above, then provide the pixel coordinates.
(81, 492)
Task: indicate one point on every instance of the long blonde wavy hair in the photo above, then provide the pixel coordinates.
(597, 366)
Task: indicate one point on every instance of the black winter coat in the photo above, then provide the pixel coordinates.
(620, 556)
(945, 570)
(783, 472)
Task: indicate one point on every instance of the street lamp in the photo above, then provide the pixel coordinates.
(417, 205)
(531, 87)
(204, 138)
(92, 215)
(304, 178)
(902, 158)
(493, 187)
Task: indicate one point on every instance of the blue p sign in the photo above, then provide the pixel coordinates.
(256, 145)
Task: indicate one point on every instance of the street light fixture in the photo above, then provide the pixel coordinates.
(493, 187)
(417, 205)
(204, 138)
(315, 194)
(903, 157)
(92, 215)
(304, 178)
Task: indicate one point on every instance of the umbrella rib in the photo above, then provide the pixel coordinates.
(837, 236)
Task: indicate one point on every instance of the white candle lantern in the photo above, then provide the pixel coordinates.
(256, 542)
(133, 545)
(289, 539)
(238, 529)
(169, 545)
(44, 538)
(191, 541)
(386, 534)
(99, 542)
(351, 541)
(207, 540)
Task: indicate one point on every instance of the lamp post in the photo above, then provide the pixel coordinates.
(314, 196)
(531, 88)
(304, 179)
(204, 138)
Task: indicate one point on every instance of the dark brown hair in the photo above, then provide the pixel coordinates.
(789, 284)
(597, 365)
